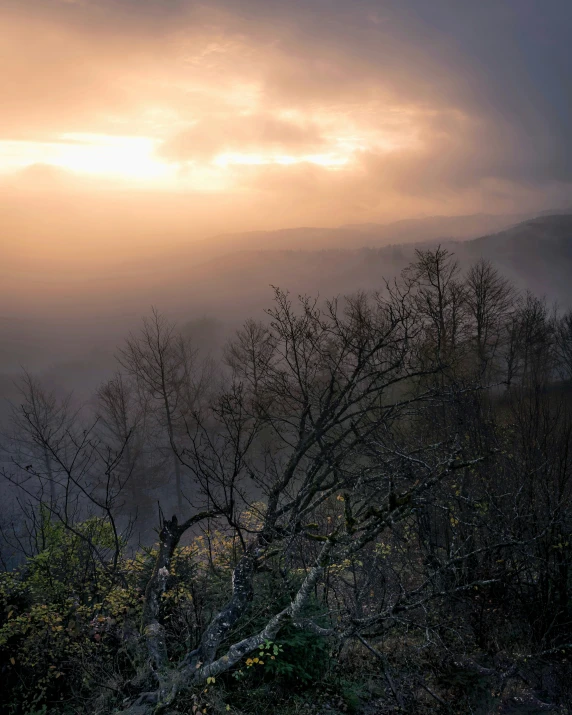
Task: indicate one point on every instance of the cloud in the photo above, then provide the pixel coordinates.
(435, 104)
(248, 133)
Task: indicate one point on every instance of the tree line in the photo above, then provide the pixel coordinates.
(383, 477)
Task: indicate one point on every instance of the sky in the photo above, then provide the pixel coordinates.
(267, 113)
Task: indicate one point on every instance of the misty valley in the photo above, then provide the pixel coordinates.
(349, 502)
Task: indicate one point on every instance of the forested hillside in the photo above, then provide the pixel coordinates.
(81, 311)
(361, 504)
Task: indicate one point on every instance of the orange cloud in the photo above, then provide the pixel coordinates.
(331, 112)
(246, 133)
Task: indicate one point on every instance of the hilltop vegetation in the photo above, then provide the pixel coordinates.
(364, 506)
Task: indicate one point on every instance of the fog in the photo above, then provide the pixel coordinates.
(80, 269)
(140, 152)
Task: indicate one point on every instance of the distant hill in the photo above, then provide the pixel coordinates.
(370, 235)
(83, 320)
(535, 254)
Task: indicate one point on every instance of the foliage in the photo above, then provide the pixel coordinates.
(63, 618)
(297, 658)
(380, 507)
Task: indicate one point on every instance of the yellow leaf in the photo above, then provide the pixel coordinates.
(228, 707)
(12, 660)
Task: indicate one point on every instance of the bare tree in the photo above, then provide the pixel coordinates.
(121, 422)
(39, 417)
(59, 454)
(317, 413)
(440, 298)
(161, 362)
(489, 299)
(564, 345)
(529, 349)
